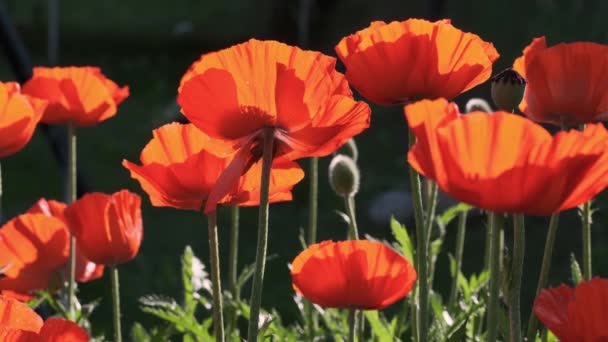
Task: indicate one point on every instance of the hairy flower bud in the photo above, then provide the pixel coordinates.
(350, 149)
(508, 89)
(344, 175)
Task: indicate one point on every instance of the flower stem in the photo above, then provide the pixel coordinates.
(495, 254)
(214, 260)
(262, 243)
(349, 203)
(420, 246)
(519, 244)
(311, 236)
(233, 266)
(116, 303)
(72, 194)
(352, 324)
(544, 271)
(586, 217)
(460, 235)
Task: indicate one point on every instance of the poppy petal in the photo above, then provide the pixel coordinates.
(400, 61)
(475, 156)
(60, 330)
(352, 274)
(17, 315)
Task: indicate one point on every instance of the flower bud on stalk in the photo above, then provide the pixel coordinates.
(508, 89)
(344, 175)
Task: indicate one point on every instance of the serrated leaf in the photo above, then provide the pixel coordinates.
(403, 238)
(379, 327)
(447, 216)
(189, 302)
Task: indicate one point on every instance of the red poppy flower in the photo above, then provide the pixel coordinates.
(357, 274)
(108, 228)
(575, 315)
(566, 83)
(85, 269)
(18, 118)
(400, 61)
(81, 95)
(234, 94)
(473, 157)
(178, 171)
(33, 247)
(19, 323)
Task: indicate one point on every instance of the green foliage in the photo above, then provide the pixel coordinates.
(406, 247)
(179, 318)
(57, 304)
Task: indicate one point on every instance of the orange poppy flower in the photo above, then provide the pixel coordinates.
(18, 118)
(108, 228)
(473, 157)
(356, 274)
(566, 83)
(86, 270)
(233, 94)
(178, 171)
(401, 61)
(81, 95)
(19, 323)
(575, 315)
(33, 247)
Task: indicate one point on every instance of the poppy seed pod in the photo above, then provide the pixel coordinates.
(508, 89)
(344, 175)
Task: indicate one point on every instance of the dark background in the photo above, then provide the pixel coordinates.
(148, 45)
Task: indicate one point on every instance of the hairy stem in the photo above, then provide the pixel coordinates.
(262, 242)
(214, 260)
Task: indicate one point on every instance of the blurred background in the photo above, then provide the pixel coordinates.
(149, 44)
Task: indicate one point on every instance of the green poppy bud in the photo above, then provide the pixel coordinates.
(508, 89)
(344, 175)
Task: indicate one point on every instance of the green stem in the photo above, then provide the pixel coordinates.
(361, 328)
(214, 260)
(460, 235)
(495, 255)
(517, 267)
(587, 241)
(544, 271)
(262, 242)
(423, 264)
(116, 303)
(311, 236)
(72, 194)
(487, 247)
(352, 324)
(233, 267)
(420, 245)
(349, 203)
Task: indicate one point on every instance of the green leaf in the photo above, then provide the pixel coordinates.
(403, 238)
(139, 333)
(575, 270)
(380, 328)
(189, 302)
(447, 216)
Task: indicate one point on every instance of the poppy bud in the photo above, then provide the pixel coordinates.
(350, 149)
(344, 175)
(508, 89)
